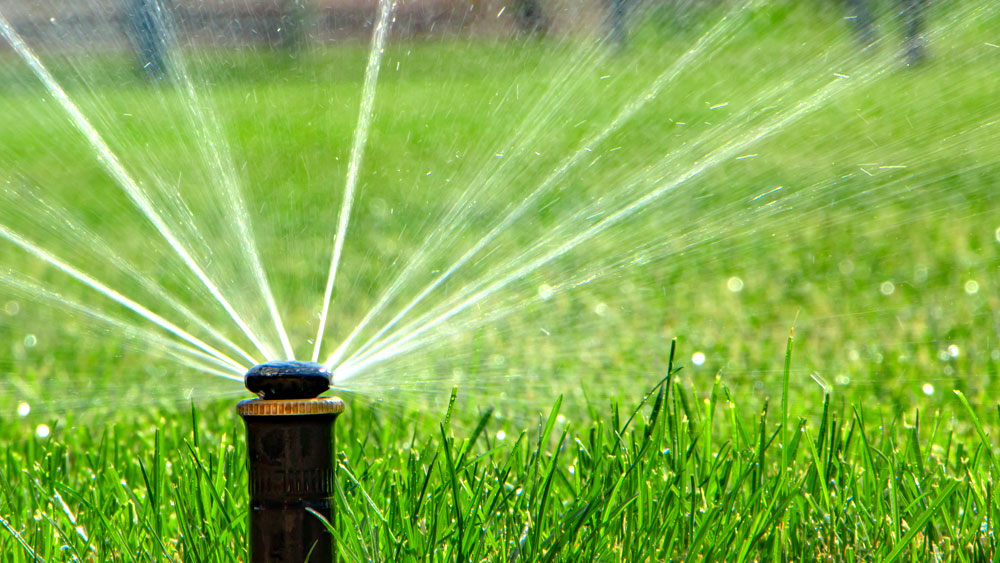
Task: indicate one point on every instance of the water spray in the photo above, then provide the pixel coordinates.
(290, 442)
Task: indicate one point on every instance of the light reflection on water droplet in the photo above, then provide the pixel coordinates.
(12, 308)
(698, 358)
(953, 351)
(972, 287)
(30, 341)
(887, 288)
(928, 389)
(545, 291)
(23, 409)
(601, 309)
(996, 235)
(501, 435)
(735, 284)
(42, 431)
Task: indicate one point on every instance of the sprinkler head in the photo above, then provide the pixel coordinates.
(287, 380)
(290, 446)
(290, 449)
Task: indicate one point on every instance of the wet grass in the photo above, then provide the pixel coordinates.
(854, 447)
(682, 474)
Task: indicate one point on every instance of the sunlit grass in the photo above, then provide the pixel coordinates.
(685, 472)
(854, 448)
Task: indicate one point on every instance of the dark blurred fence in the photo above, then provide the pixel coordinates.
(95, 25)
(289, 22)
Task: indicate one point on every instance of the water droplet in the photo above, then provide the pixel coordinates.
(12, 308)
(821, 382)
(601, 309)
(928, 389)
(42, 431)
(30, 341)
(545, 291)
(996, 235)
(846, 267)
(972, 287)
(572, 470)
(842, 380)
(698, 358)
(735, 284)
(887, 288)
(23, 409)
(501, 435)
(953, 351)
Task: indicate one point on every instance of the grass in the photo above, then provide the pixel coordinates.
(677, 475)
(852, 447)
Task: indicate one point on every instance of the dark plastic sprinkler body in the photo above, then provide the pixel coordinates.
(290, 442)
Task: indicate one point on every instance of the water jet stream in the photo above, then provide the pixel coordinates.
(113, 295)
(379, 35)
(725, 25)
(706, 234)
(179, 352)
(109, 160)
(216, 152)
(397, 343)
(20, 198)
(624, 200)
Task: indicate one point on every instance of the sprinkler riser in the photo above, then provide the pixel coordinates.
(291, 477)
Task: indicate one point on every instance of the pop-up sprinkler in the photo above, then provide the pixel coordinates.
(290, 443)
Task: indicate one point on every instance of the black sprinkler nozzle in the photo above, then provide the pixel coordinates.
(287, 380)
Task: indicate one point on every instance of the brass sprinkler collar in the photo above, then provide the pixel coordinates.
(290, 407)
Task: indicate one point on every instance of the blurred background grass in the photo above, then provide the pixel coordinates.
(819, 260)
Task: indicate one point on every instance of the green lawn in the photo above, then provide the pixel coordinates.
(801, 185)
